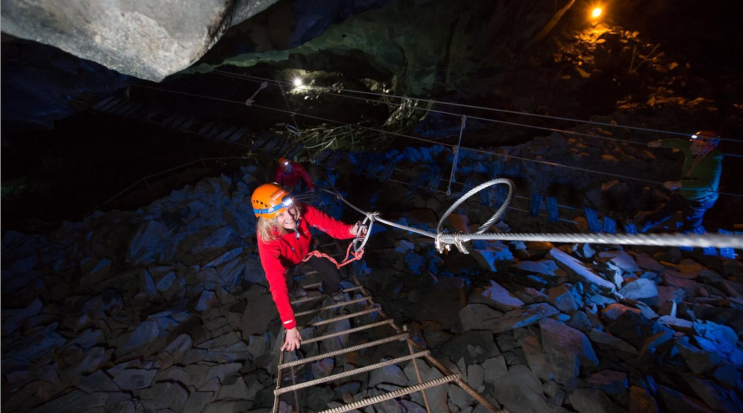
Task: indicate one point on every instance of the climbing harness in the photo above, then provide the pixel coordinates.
(357, 255)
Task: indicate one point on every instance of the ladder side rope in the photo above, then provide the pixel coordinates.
(444, 240)
(512, 112)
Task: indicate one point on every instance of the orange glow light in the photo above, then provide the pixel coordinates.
(596, 12)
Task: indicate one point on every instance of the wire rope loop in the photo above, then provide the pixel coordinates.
(370, 219)
(472, 192)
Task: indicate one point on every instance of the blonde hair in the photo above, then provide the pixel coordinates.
(264, 228)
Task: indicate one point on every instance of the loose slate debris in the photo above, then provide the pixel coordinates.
(173, 314)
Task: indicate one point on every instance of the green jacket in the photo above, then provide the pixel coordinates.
(701, 185)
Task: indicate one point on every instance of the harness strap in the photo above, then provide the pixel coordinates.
(356, 256)
(694, 165)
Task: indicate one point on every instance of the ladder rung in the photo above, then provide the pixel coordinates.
(103, 102)
(343, 317)
(345, 374)
(344, 351)
(344, 332)
(342, 304)
(393, 394)
(304, 300)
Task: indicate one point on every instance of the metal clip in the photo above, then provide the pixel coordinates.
(251, 100)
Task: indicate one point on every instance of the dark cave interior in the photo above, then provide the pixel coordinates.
(134, 136)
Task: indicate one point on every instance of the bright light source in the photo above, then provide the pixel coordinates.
(297, 82)
(596, 12)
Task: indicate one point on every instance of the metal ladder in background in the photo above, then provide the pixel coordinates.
(397, 334)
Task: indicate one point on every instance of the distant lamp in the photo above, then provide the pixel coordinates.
(297, 82)
(596, 12)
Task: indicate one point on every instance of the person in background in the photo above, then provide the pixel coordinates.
(283, 231)
(290, 174)
(696, 191)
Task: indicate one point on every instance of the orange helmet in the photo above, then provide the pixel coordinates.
(270, 199)
(283, 161)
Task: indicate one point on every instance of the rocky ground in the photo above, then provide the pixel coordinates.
(166, 309)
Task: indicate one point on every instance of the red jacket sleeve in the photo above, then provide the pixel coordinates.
(303, 173)
(278, 177)
(276, 276)
(336, 229)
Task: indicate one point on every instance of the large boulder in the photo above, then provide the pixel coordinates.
(146, 39)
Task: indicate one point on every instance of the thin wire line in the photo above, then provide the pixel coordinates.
(543, 128)
(513, 112)
(429, 141)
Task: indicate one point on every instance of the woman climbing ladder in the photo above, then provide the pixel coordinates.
(284, 239)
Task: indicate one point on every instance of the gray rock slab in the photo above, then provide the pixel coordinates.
(475, 375)
(525, 316)
(228, 406)
(578, 271)
(520, 391)
(197, 401)
(75, 401)
(622, 260)
(699, 361)
(634, 328)
(161, 396)
(494, 369)
(388, 375)
(607, 342)
(474, 346)
(501, 298)
(478, 317)
(98, 381)
(592, 401)
(568, 349)
(134, 379)
(536, 357)
(641, 289)
(675, 401)
(237, 391)
(611, 382)
(562, 298)
(258, 313)
(640, 401)
(714, 395)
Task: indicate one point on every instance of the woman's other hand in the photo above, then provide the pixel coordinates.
(293, 340)
(355, 229)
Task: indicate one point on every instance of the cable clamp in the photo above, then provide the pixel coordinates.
(440, 245)
(459, 243)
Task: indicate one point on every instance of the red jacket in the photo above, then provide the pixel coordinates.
(290, 180)
(283, 253)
